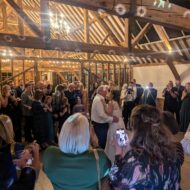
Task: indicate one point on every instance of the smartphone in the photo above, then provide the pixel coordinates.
(122, 137)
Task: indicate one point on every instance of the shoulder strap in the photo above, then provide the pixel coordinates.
(97, 167)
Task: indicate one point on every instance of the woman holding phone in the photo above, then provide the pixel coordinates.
(151, 162)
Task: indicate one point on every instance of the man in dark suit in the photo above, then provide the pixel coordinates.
(179, 88)
(19, 89)
(150, 95)
(138, 91)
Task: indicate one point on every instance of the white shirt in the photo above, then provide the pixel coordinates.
(135, 91)
(98, 114)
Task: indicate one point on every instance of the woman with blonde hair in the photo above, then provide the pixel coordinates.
(6, 130)
(10, 150)
(72, 166)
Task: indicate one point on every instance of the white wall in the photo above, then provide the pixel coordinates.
(160, 75)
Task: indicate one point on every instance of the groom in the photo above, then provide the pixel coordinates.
(99, 117)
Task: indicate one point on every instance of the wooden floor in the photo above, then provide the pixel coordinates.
(44, 183)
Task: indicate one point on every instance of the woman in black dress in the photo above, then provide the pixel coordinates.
(64, 111)
(39, 116)
(49, 117)
(171, 98)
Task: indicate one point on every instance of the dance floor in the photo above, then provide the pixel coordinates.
(44, 183)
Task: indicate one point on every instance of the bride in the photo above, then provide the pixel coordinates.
(113, 109)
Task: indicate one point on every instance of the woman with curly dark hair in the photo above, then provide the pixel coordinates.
(151, 162)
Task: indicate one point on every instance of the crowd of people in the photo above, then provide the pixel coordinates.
(34, 117)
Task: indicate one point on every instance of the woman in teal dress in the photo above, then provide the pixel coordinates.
(72, 165)
(185, 109)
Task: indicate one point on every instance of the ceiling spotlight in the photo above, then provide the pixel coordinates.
(170, 51)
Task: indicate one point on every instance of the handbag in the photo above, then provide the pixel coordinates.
(103, 184)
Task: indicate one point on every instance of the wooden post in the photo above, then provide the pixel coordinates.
(119, 76)
(108, 72)
(81, 72)
(114, 70)
(130, 73)
(96, 68)
(12, 68)
(36, 73)
(125, 74)
(102, 72)
(23, 69)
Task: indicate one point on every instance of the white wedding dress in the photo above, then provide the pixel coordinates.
(109, 149)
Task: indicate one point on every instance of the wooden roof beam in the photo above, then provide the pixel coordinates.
(105, 27)
(141, 34)
(161, 33)
(59, 59)
(20, 22)
(172, 67)
(65, 45)
(153, 14)
(25, 18)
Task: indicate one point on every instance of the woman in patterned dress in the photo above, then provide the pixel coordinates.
(151, 163)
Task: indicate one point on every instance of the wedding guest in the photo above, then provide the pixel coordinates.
(68, 165)
(170, 98)
(64, 111)
(9, 106)
(49, 118)
(171, 123)
(9, 150)
(185, 108)
(151, 162)
(39, 119)
(179, 89)
(150, 95)
(138, 91)
(79, 107)
(20, 88)
(70, 94)
(26, 102)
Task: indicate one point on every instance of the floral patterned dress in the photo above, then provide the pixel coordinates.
(135, 172)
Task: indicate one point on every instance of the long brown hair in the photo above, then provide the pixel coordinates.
(150, 135)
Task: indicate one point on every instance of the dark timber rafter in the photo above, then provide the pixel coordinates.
(45, 20)
(156, 15)
(64, 45)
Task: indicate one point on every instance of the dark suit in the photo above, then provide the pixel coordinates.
(140, 91)
(179, 90)
(19, 91)
(150, 96)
